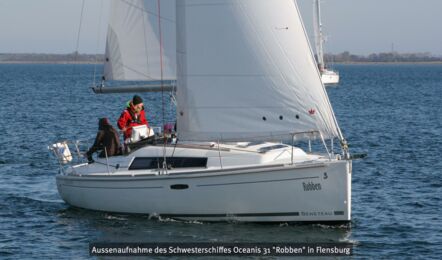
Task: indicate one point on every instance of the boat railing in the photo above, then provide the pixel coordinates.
(68, 153)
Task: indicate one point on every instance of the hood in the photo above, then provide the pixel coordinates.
(103, 123)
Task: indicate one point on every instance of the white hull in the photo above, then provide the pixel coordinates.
(249, 181)
(317, 191)
(329, 77)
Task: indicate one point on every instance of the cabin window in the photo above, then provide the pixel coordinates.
(269, 148)
(146, 163)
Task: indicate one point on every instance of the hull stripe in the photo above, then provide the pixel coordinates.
(201, 185)
(280, 214)
(112, 188)
(251, 182)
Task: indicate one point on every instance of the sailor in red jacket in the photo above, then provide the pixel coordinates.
(133, 115)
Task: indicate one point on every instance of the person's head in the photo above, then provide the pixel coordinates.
(137, 103)
(103, 123)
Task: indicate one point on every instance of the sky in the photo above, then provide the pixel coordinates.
(358, 26)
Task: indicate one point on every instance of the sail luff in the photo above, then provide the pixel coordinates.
(340, 135)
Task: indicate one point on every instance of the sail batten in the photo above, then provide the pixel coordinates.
(244, 71)
(133, 41)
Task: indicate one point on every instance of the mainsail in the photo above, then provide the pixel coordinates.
(141, 41)
(245, 72)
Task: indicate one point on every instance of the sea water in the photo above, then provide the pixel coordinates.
(391, 112)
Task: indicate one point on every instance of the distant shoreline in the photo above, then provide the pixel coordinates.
(51, 62)
(386, 62)
(341, 58)
(48, 58)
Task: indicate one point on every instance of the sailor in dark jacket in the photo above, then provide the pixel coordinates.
(107, 138)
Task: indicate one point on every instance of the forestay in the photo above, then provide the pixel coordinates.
(134, 38)
(246, 70)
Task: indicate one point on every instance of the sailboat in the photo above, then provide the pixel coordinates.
(247, 88)
(328, 76)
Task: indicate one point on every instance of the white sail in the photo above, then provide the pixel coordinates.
(245, 72)
(141, 41)
(319, 39)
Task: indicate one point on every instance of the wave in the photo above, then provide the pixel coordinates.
(26, 200)
(108, 216)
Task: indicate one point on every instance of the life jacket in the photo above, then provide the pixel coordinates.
(128, 119)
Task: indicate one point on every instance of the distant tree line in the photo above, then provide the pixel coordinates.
(74, 57)
(347, 57)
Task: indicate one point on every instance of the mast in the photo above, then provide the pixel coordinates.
(319, 39)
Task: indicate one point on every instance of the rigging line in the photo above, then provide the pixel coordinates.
(76, 48)
(219, 154)
(98, 42)
(136, 71)
(161, 58)
(147, 11)
(174, 147)
(145, 46)
(162, 83)
(79, 31)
